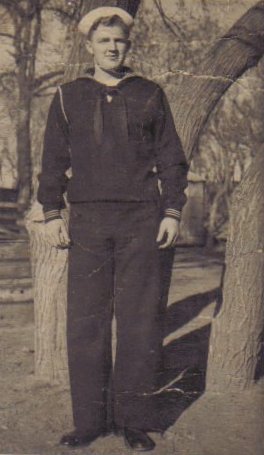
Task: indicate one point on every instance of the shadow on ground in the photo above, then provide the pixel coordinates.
(185, 357)
(186, 344)
(185, 360)
(182, 380)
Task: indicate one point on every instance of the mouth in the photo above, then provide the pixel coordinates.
(112, 57)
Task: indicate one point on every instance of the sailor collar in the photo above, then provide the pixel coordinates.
(108, 92)
(126, 73)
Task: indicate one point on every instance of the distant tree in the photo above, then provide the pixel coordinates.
(22, 25)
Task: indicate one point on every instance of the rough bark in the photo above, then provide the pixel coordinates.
(236, 337)
(197, 93)
(49, 267)
(233, 398)
(235, 342)
(232, 392)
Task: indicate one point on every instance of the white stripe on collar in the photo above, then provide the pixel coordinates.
(128, 75)
(62, 105)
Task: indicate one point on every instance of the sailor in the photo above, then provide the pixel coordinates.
(115, 130)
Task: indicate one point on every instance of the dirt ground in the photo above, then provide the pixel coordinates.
(34, 415)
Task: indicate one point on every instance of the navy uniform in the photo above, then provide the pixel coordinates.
(118, 142)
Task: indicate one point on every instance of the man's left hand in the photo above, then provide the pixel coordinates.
(169, 231)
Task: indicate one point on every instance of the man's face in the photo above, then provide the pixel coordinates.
(109, 47)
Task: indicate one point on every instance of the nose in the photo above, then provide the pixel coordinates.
(112, 46)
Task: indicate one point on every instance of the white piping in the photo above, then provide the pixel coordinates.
(62, 105)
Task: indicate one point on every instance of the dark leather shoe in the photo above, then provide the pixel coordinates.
(76, 439)
(138, 440)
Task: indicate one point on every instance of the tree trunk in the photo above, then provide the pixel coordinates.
(27, 31)
(49, 267)
(24, 165)
(233, 398)
(237, 330)
(236, 337)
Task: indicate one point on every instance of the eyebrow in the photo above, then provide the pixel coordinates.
(106, 38)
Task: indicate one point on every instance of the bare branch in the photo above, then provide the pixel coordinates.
(7, 35)
(169, 23)
(43, 90)
(43, 3)
(46, 77)
(7, 74)
(44, 93)
(5, 79)
(12, 54)
(62, 13)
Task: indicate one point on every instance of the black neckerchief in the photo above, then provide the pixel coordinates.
(120, 105)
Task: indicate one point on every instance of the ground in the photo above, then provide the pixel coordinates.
(34, 415)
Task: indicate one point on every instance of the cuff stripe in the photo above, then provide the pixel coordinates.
(51, 214)
(173, 213)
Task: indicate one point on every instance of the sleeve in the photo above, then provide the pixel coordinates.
(171, 164)
(55, 160)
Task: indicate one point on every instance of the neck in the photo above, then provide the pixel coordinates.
(107, 77)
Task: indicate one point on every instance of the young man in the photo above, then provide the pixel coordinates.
(116, 132)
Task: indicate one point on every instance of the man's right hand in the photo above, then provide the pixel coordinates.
(57, 233)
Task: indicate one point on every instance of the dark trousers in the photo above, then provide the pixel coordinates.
(114, 266)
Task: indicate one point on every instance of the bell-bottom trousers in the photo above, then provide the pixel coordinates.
(114, 268)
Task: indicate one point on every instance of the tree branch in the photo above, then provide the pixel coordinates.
(46, 77)
(169, 23)
(43, 91)
(62, 13)
(13, 7)
(7, 35)
(233, 54)
(6, 74)
(5, 79)
(43, 3)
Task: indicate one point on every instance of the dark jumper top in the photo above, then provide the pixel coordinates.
(112, 147)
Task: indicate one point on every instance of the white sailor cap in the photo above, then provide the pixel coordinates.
(90, 18)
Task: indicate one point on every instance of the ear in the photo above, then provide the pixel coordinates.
(89, 47)
(128, 45)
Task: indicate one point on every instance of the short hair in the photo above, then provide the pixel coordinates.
(109, 21)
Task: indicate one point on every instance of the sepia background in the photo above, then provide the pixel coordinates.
(201, 412)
